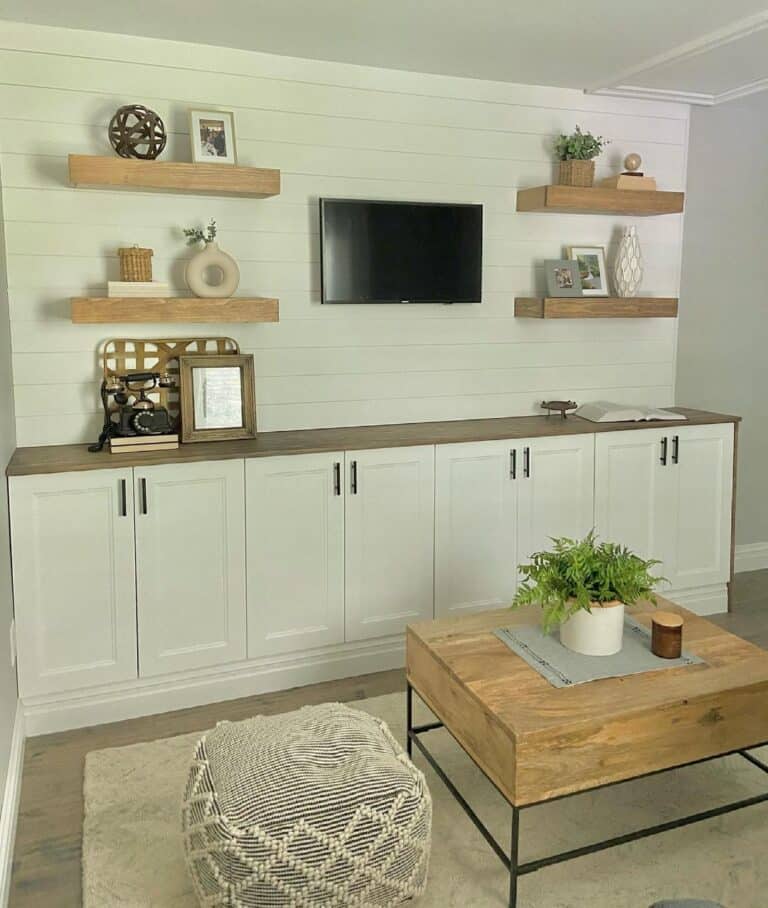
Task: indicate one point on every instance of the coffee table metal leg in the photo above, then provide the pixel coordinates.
(409, 720)
(513, 856)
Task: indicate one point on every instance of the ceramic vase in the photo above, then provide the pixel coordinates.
(597, 632)
(628, 267)
(212, 261)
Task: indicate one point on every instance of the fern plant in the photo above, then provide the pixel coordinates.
(576, 574)
(579, 146)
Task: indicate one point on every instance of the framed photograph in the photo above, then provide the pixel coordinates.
(218, 398)
(591, 264)
(562, 278)
(213, 136)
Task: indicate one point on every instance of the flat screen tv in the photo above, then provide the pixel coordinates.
(400, 252)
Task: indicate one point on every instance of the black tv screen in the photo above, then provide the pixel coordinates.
(400, 252)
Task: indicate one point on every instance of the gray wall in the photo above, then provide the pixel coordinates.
(7, 444)
(722, 358)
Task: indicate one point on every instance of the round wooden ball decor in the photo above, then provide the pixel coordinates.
(666, 635)
(136, 131)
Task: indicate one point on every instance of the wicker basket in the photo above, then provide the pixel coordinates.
(577, 173)
(135, 264)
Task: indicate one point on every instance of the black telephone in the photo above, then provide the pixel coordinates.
(136, 413)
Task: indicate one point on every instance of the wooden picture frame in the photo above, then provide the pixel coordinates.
(204, 398)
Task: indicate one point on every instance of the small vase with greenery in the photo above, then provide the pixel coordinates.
(583, 586)
(576, 154)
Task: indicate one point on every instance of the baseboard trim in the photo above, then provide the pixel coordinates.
(114, 703)
(10, 805)
(703, 600)
(751, 557)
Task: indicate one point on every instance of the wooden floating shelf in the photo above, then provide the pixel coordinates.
(597, 200)
(172, 176)
(596, 307)
(123, 310)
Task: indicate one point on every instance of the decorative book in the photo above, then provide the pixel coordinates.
(607, 411)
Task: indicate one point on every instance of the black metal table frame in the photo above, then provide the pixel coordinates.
(510, 860)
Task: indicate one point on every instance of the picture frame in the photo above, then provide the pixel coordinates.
(218, 397)
(212, 136)
(562, 276)
(592, 270)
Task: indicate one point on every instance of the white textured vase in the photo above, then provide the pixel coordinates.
(597, 632)
(212, 259)
(628, 267)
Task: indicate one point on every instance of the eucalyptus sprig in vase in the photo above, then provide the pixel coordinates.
(583, 586)
(210, 260)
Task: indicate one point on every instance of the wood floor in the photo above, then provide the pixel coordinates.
(46, 870)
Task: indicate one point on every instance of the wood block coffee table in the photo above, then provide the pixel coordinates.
(536, 742)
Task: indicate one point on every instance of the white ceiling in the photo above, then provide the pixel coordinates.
(700, 50)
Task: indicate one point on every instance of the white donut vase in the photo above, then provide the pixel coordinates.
(207, 260)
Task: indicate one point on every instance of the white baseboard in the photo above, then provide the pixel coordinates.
(751, 557)
(10, 805)
(705, 600)
(129, 700)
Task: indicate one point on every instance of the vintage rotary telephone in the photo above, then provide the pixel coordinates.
(136, 413)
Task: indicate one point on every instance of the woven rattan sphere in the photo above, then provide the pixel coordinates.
(136, 131)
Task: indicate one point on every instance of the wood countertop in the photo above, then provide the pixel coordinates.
(75, 458)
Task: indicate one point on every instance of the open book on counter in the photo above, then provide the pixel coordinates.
(607, 411)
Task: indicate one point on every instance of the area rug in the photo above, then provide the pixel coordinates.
(132, 852)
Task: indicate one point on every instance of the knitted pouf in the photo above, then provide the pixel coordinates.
(316, 807)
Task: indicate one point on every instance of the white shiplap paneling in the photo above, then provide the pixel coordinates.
(337, 130)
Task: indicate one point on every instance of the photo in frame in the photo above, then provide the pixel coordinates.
(562, 276)
(218, 397)
(592, 272)
(212, 133)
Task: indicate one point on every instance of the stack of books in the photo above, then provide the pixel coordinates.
(138, 289)
(135, 444)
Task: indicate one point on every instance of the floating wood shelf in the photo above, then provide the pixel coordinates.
(596, 307)
(172, 176)
(122, 310)
(597, 200)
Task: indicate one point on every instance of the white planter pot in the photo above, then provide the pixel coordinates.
(597, 632)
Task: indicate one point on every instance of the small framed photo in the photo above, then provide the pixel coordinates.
(218, 399)
(591, 264)
(213, 136)
(562, 278)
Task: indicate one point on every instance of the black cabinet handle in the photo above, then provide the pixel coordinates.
(663, 458)
(526, 462)
(353, 477)
(144, 500)
(337, 479)
(676, 449)
(513, 463)
(123, 499)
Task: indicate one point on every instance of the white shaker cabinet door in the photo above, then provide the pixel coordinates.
(476, 493)
(190, 541)
(701, 461)
(556, 491)
(635, 493)
(74, 579)
(295, 532)
(389, 539)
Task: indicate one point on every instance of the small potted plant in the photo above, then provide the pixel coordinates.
(583, 586)
(576, 154)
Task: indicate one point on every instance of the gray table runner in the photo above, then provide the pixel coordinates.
(562, 667)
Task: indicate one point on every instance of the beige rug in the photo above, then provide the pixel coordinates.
(132, 853)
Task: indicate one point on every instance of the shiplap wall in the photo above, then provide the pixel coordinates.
(335, 130)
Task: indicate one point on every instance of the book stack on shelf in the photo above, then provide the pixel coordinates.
(136, 444)
(140, 289)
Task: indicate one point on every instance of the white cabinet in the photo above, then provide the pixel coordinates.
(295, 553)
(190, 555)
(666, 493)
(476, 494)
(556, 478)
(389, 539)
(74, 579)
(498, 502)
